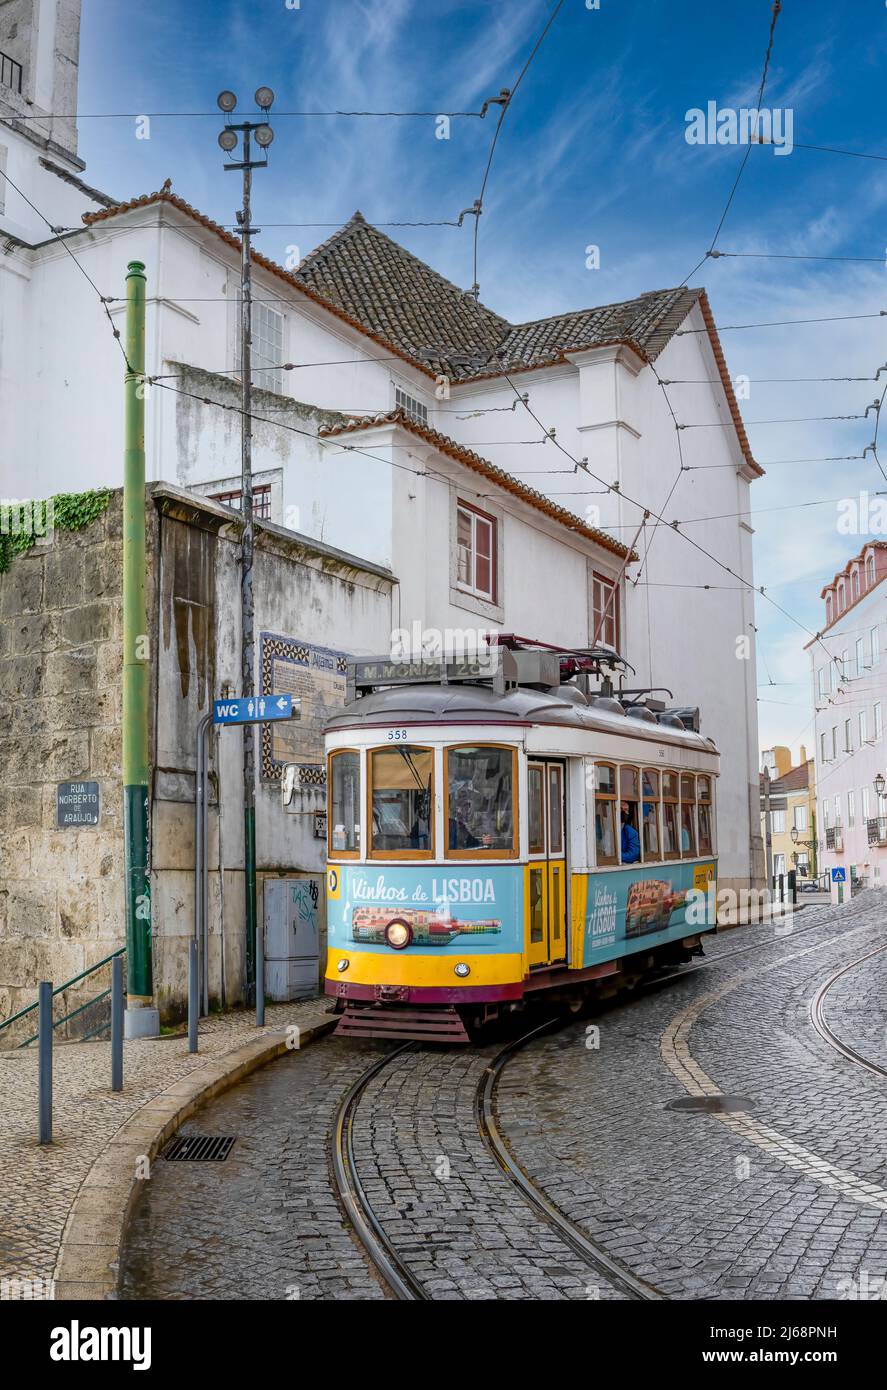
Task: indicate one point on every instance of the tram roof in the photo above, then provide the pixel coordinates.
(479, 704)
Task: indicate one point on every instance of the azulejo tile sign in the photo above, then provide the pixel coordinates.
(317, 677)
(77, 804)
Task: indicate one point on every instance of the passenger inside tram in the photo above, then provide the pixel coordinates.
(631, 842)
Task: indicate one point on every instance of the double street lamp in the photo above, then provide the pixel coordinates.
(228, 140)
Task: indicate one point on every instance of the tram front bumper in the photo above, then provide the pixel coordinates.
(397, 977)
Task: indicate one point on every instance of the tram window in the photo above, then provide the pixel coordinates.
(344, 807)
(688, 815)
(650, 790)
(670, 843)
(703, 790)
(555, 810)
(605, 814)
(629, 835)
(536, 789)
(402, 802)
(480, 801)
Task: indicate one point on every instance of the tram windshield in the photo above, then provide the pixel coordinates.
(401, 801)
(480, 799)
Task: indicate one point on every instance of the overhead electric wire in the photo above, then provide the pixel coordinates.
(786, 256)
(217, 115)
(478, 205)
(774, 16)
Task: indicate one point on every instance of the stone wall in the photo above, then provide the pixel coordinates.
(61, 890)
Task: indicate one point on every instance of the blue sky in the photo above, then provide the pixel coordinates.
(592, 151)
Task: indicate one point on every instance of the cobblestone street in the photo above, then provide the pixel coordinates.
(778, 1193)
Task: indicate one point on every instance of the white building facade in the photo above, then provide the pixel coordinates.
(849, 672)
(362, 329)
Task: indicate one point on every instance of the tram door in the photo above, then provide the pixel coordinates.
(547, 868)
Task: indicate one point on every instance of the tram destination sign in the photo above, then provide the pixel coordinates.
(382, 672)
(77, 804)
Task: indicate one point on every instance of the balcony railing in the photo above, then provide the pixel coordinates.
(10, 73)
(834, 838)
(877, 830)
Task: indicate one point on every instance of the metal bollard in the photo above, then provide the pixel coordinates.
(782, 888)
(793, 885)
(117, 1023)
(44, 1047)
(260, 974)
(193, 992)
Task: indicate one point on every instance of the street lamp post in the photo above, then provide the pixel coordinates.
(228, 141)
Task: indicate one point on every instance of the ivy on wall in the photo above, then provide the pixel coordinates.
(67, 511)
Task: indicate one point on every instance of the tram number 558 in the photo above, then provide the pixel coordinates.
(397, 735)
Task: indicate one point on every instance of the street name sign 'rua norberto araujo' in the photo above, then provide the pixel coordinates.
(77, 804)
(256, 709)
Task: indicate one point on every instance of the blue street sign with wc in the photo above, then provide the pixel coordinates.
(256, 709)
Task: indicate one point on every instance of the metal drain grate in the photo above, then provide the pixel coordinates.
(199, 1148)
(712, 1105)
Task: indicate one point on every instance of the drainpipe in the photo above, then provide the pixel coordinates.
(141, 1019)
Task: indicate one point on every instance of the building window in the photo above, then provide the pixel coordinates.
(870, 570)
(261, 500)
(833, 674)
(267, 350)
(837, 809)
(862, 728)
(879, 728)
(412, 408)
(845, 665)
(825, 814)
(820, 674)
(778, 865)
(828, 609)
(800, 818)
(876, 646)
(856, 583)
(860, 656)
(865, 803)
(822, 748)
(842, 597)
(851, 810)
(605, 610)
(777, 822)
(848, 740)
(476, 552)
(834, 741)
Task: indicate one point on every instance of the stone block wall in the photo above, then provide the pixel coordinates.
(61, 890)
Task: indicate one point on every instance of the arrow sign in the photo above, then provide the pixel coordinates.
(257, 710)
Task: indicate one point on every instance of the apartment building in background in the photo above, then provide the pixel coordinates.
(792, 803)
(849, 673)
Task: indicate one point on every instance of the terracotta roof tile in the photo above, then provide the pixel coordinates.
(387, 293)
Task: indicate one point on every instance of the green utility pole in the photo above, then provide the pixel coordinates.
(141, 1018)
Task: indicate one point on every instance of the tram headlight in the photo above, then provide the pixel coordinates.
(462, 969)
(342, 965)
(398, 935)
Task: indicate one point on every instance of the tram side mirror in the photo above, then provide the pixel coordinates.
(288, 783)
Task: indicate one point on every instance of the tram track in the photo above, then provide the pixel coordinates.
(817, 1016)
(393, 1271)
(588, 1250)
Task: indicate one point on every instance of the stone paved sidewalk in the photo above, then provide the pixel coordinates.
(39, 1185)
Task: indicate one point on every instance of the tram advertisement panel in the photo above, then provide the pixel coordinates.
(481, 907)
(634, 908)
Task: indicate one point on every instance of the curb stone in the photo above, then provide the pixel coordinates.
(88, 1261)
